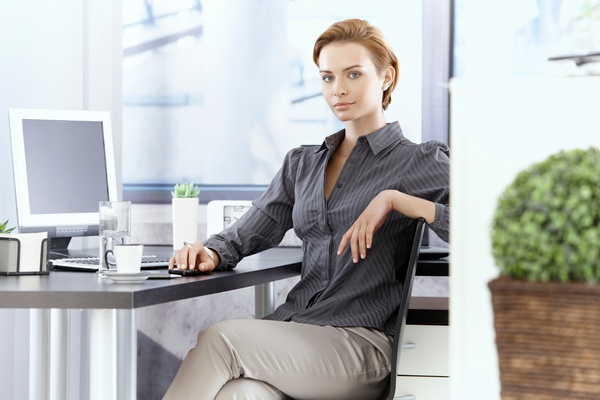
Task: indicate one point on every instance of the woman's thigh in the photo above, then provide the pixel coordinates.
(308, 361)
(303, 361)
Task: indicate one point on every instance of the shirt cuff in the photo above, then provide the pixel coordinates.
(441, 223)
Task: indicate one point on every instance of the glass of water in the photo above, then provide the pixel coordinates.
(115, 228)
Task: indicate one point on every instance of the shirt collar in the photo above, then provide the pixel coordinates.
(378, 140)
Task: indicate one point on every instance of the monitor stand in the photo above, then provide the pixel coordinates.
(60, 244)
(59, 248)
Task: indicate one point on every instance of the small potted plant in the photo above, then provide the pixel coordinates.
(6, 250)
(546, 243)
(4, 228)
(185, 203)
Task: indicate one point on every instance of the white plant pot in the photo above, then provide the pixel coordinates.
(185, 221)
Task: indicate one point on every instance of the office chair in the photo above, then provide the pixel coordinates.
(405, 274)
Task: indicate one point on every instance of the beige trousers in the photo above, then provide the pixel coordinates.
(260, 359)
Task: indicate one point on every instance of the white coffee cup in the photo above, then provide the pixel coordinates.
(128, 257)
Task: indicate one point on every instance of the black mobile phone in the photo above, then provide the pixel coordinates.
(186, 272)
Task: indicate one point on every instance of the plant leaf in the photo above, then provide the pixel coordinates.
(4, 229)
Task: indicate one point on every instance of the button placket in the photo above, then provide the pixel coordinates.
(349, 166)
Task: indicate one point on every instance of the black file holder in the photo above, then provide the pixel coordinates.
(10, 257)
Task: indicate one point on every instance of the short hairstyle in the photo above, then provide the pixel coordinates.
(362, 32)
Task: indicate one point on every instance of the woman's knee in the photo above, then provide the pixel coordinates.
(220, 330)
(220, 340)
(249, 389)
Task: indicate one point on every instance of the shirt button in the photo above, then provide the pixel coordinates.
(353, 161)
(438, 223)
(362, 140)
(339, 185)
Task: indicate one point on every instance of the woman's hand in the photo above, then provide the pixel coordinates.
(360, 234)
(193, 256)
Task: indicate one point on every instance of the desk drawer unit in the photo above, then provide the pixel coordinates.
(422, 388)
(424, 365)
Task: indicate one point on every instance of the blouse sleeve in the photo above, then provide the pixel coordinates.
(264, 225)
(429, 178)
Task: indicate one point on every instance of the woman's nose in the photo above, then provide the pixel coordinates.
(339, 90)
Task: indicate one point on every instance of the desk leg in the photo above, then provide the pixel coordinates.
(127, 354)
(103, 355)
(39, 354)
(59, 344)
(264, 299)
(48, 365)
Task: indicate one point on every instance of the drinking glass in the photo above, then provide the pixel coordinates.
(115, 228)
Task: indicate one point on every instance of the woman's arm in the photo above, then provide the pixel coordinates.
(426, 177)
(260, 228)
(360, 234)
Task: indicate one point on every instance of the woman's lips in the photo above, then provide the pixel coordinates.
(342, 106)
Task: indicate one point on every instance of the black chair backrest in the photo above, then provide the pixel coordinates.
(405, 274)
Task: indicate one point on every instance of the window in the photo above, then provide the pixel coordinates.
(217, 92)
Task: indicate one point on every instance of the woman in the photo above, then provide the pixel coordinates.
(352, 201)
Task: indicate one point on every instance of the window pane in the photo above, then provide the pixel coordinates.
(218, 91)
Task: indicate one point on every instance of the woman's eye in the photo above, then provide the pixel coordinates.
(353, 75)
(327, 78)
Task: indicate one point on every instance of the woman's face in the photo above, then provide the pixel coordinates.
(350, 82)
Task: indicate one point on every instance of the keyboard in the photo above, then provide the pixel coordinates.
(92, 263)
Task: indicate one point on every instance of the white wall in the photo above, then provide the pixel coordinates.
(499, 127)
(63, 54)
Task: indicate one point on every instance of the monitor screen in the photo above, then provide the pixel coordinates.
(63, 164)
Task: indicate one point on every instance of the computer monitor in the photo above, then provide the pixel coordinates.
(63, 163)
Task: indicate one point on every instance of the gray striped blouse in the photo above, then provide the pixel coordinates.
(332, 289)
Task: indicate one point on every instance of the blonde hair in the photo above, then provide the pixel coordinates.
(362, 32)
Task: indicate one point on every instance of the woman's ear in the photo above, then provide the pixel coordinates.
(388, 77)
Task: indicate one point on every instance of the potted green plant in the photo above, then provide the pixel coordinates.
(185, 203)
(4, 228)
(185, 190)
(7, 251)
(545, 238)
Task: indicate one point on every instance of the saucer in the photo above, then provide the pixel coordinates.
(127, 277)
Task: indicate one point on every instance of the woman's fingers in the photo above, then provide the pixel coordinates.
(185, 258)
(192, 255)
(359, 237)
(362, 241)
(344, 242)
(360, 234)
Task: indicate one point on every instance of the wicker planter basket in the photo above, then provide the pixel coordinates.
(548, 339)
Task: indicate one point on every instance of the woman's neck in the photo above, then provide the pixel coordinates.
(361, 127)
